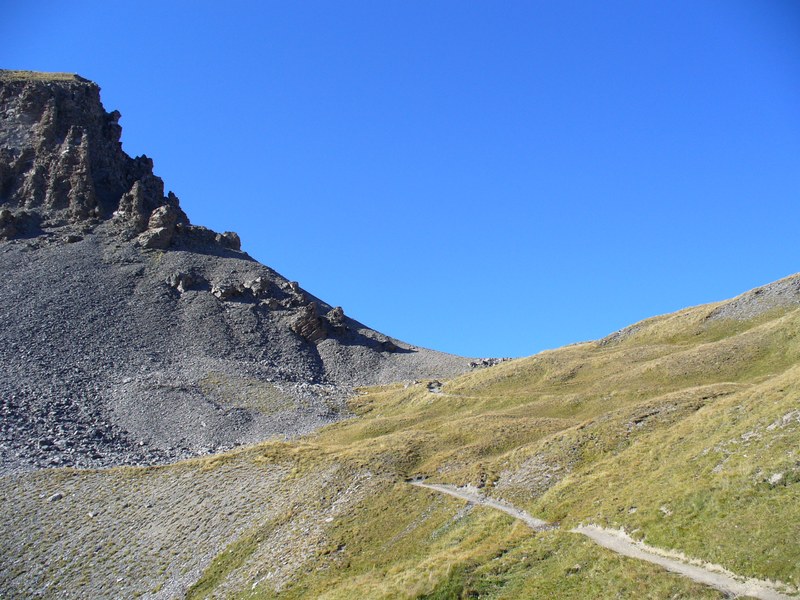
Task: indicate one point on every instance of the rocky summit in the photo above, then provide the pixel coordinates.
(130, 335)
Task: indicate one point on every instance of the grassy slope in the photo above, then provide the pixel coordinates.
(684, 430)
(11, 75)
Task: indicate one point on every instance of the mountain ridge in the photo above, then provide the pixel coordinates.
(681, 430)
(142, 318)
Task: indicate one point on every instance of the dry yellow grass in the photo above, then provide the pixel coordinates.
(11, 75)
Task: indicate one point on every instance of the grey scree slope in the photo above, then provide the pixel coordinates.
(130, 336)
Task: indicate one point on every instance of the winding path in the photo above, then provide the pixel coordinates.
(618, 542)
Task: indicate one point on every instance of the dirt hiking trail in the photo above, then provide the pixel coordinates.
(619, 542)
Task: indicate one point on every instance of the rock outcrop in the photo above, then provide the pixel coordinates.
(131, 336)
(309, 325)
(61, 162)
(61, 157)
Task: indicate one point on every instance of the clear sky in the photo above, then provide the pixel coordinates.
(484, 178)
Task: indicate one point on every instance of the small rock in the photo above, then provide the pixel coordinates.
(435, 387)
(180, 281)
(55, 497)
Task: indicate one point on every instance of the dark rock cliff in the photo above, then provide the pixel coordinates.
(61, 157)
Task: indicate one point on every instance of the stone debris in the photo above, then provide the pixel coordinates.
(131, 336)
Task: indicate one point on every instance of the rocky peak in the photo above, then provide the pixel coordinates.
(130, 336)
(61, 161)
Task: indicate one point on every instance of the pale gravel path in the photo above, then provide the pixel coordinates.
(618, 542)
(472, 496)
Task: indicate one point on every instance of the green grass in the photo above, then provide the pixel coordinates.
(703, 485)
(666, 433)
(410, 543)
(626, 433)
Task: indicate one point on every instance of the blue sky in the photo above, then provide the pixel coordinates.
(484, 178)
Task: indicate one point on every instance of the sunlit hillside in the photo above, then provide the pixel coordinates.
(683, 429)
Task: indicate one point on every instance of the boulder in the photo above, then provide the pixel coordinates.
(336, 319)
(434, 387)
(259, 286)
(137, 204)
(226, 291)
(159, 238)
(197, 235)
(229, 239)
(309, 325)
(163, 217)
